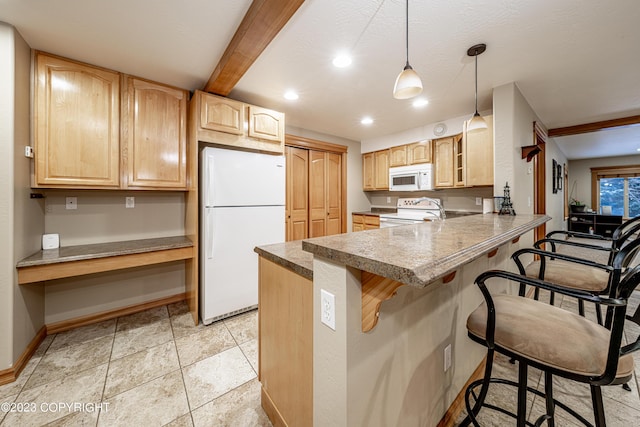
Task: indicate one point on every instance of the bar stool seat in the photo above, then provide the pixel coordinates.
(570, 275)
(549, 336)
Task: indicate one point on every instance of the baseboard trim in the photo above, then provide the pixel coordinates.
(270, 409)
(10, 375)
(65, 325)
(452, 414)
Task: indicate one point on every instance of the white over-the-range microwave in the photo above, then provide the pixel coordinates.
(411, 178)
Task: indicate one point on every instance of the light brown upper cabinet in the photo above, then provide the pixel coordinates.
(459, 161)
(419, 152)
(221, 114)
(375, 170)
(382, 170)
(93, 133)
(479, 155)
(297, 201)
(224, 121)
(156, 135)
(398, 156)
(77, 125)
(265, 124)
(443, 156)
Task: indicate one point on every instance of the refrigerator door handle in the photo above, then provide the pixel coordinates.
(209, 236)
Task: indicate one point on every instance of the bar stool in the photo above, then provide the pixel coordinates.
(573, 272)
(554, 340)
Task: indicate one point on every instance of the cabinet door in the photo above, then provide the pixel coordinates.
(157, 135)
(419, 152)
(459, 160)
(398, 156)
(266, 124)
(77, 126)
(317, 195)
(221, 114)
(368, 171)
(297, 205)
(357, 221)
(479, 155)
(443, 161)
(382, 170)
(334, 193)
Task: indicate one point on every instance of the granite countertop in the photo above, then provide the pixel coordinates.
(289, 255)
(418, 254)
(376, 211)
(103, 250)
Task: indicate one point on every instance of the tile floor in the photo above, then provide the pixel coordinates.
(152, 368)
(155, 368)
(622, 408)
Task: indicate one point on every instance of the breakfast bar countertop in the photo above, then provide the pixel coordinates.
(422, 253)
(289, 255)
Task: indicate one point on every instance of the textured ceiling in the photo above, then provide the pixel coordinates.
(575, 61)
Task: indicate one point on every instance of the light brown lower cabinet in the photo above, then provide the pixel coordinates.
(361, 222)
(285, 345)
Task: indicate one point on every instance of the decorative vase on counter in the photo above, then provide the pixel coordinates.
(578, 208)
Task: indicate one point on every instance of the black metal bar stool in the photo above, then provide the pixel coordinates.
(553, 340)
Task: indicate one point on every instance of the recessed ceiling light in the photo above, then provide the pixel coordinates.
(342, 60)
(420, 102)
(291, 95)
(366, 120)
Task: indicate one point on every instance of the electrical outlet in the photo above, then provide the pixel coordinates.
(129, 202)
(478, 201)
(388, 199)
(28, 151)
(71, 203)
(328, 309)
(447, 357)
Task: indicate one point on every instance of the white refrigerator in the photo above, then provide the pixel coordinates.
(242, 206)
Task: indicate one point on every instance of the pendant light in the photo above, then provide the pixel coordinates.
(477, 122)
(408, 83)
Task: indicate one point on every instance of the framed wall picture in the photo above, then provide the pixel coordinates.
(560, 176)
(554, 179)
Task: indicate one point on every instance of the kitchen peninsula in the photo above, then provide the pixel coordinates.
(384, 362)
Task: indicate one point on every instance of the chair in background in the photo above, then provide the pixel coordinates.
(554, 340)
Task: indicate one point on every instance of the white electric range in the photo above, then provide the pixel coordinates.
(413, 210)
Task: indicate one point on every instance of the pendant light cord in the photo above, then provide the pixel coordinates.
(407, 32)
(476, 55)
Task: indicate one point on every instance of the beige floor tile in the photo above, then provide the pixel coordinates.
(239, 407)
(143, 318)
(133, 340)
(83, 334)
(183, 325)
(44, 346)
(68, 360)
(16, 386)
(212, 377)
(250, 350)
(210, 340)
(152, 404)
(77, 419)
(183, 421)
(139, 368)
(6, 399)
(178, 308)
(83, 387)
(243, 327)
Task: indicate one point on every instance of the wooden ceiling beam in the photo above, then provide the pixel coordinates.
(262, 22)
(593, 127)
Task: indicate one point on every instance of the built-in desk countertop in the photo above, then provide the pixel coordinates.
(78, 260)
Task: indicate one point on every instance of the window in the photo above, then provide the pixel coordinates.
(617, 188)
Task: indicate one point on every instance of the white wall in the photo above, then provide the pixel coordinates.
(356, 199)
(101, 217)
(555, 202)
(21, 218)
(580, 174)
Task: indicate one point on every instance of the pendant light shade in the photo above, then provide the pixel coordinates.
(408, 83)
(476, 122)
